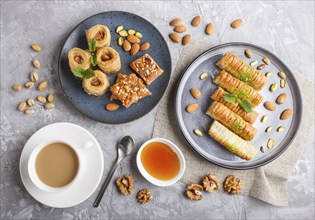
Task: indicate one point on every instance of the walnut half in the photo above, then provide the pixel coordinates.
(194, 191)
(144, 196)
(211, 183)
(125, 185)
(233, 185)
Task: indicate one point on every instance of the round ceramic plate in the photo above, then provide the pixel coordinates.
(94, 107)
(209, 148)
(92, 168)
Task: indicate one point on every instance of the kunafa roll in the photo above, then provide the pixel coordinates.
(96, 85)
(231, 120)
(237, 87)
(101, 35)
(250, 117)
(78, 58)
(241, 70)
(108, 60)
(231, 141)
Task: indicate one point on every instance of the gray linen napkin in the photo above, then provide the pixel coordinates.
(267, 183)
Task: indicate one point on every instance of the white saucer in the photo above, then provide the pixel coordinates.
(91, 173)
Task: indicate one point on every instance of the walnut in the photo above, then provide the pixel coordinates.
(210, 183)
(194, 191)
(233, 185)
(144, 196)
(125, 185)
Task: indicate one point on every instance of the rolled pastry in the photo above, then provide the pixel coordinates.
(250, 117)
(241, 70)
(108, 60)
(231, 141)
(237, 87)
(231, 120)
(100, 34)
(78, 58)
(96, 85)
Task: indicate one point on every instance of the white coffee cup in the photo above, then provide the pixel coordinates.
(32, 168)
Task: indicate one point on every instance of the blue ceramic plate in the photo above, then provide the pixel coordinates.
(94, 107)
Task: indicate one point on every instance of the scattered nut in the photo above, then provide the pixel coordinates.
(282, 98)
(50, 97)
(268, 74)
(41, 99)
(195, 93)
(145, 46)
(134, 48)
(280, 129)
(22, 106)
(29, 85)
(126, 45)
(270, 143)
(186, 39)
(174, 37)
(283, 82)
(253, 63)
(49, 105)
(175, 22)
(264, 118)
(209, 29)
(211, 183)
(17, 87)
(269, 129)
(42, 86)
(33, 76)
(233, 185)
(180, 29)
(30, 102)
(204, 75)
(286, 114)
(36, 47)
(270, 106)
(198, 132)
(119, 28)
(138, 35)
(29, 111)
(261, 66)
(266, 60)
(192, 107)
(36, 64)
(262, 149)
(120, 41)
(248, 53)
(123, 33)
(194, 191)
(273, 87)
(144, 196)
(125, 185)
(196, 21)
(112, 107)
(236, 23)
(132, 32)
(282, 75)
(133, 39)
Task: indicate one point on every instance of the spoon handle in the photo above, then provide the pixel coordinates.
(105, 184)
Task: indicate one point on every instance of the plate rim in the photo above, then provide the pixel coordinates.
(93, 118)
(222, 164)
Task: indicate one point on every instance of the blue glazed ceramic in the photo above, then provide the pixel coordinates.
(94, 107)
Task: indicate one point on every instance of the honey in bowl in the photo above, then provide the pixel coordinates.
(160, 161)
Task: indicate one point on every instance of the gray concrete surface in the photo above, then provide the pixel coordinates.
(285, 28)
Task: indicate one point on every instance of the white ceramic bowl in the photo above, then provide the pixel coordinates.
(150, 178)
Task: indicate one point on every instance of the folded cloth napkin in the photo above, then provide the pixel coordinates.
(267, 183)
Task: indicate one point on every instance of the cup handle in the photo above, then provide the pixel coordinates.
(87, 145)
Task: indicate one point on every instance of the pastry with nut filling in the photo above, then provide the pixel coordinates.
(99, 33)
(108, 60)
(97, 85)
(78, 58)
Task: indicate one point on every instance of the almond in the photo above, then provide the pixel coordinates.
(175, 22)
(196, 21)
(195, 93)
(126, 45)
(282, 98)
(286, 114)
(180, 29)
(36, 47)
(133, 39)
(186, 39)
(111, 107)
(209, 29)
(145, 46)
(134, 49)
(236, 23)
(174, 37)
(192, 107)
(270, 106)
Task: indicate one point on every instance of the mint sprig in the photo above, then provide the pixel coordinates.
(244, 103)
(83, 74)
(92, 48)
(93, 60)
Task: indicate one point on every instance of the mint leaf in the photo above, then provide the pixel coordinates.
(88, 74)
(231, 98)
(79, 72)
(246, 105)
(92, 45)
(93, 60)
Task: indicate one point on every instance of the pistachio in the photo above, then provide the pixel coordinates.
(262, 149)
(131, 32)
(36, 64)
(50, 97)
(248, 53)
(41, 99)
(192, 107)
(282, 75)
(36, 47)
(269, 129)
(29, 85)
(123, 33)
(49, 105)
(273, 87)
(270, 143)
(120, 41)
(22, 106)
(286, 114)
(30, 102)
(283, 82)
(282, 98)
(267, 74)
(266, 60)
(198, 132)
(119, 28)
(195, 93)
(29, 111)
(261, 66)
(204, 75)
(42, 86)
(280, 129)
(17, 87)
(138, 35)
(270, 106)
(33, 76)
(264, 118)
(253, 63)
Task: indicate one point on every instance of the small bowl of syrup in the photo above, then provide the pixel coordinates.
(160, 162)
